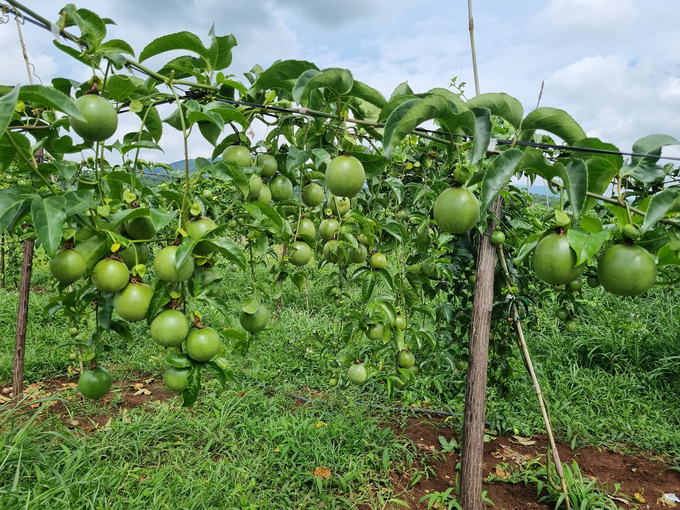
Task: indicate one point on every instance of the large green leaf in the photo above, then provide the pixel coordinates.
(498, 175)
(8, 152)
(373, 164)
(368, 94)
(576, 174)
(644, 168)
(11, 201)
(392, 105)
(401, 90)
(602, 168)
(7, 104)
(659, 205)
(50, 97)
(584, 244)
(219, 53)
(281, 75)
(152, 122)
(177, 41)
(119, 87)
(501, 105)
(482, 135)
(227, 112)
(336, 83)
(410, 114)
(231, 250)
(557, 122)
(48, 219)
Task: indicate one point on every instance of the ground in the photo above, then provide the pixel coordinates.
(634, 479)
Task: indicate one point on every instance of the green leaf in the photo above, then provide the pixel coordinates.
(584, 244)
(190, 393)
(251, 305)
(410, 114)
(281, 75)
(159, 298)
(116, 46)
(591, 224)
(602, 168)
(91, 26)
(232, 251)
(119, 87)
(368, 285)
(105, 309)
(296, 158)
(401, 90)
(217, 371)
(160, 219)
(557, 122)
(178, 360)
(336, 83)
(645, 168)
(501, 105)
(659, 205)
(78, 201)
(227, 112)
(50, 97)
(7, 104)
(177, 41)
(576, 173)
(368, 94)
(219, 53)
(183, 252)
(122, 328)
(11, 202)
(373, 164)
(482, 135)
(152, 122)
(48, 219)
(498, 175)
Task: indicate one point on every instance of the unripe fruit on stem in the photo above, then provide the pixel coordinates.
(281, 188)
(169, 328)
(254, 187)
(345, 176)
(456, 210)
(497, 237)
(268, 164)
(375, 331)
(332, 252)
(255, 322)
(176, 379)
(196, 229)
(377, 261)
(328, 228)
(132, 303)
(554, 260)
(95, 383)
(626, 270)
(140, 228)
(406, 359)
(203, 344)
(357, 255)
(237, 154)
(312, 194)
(401, 322)
(68, 266)
(302, 254)
(101, 120)
(264, 196)
(165, 266)
(110, 275)
(305, 227)
(357, 374)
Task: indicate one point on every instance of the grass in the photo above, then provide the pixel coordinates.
(613, 382)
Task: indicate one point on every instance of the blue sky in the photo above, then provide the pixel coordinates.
(614, 65)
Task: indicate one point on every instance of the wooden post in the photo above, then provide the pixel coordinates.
(475, 390)
(22, 322)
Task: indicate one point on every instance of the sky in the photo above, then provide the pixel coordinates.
(614, 65)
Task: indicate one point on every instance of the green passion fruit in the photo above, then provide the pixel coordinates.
(357, 255)
(626, 270)
(110, 275)
(203, 344)
(237, 154)
(302, 254)
(456, 210)
(268, 164)
(312, 194)
(101, 120)
(357, 374)
(196, 229)
(95, 383)
(132, 303)
(254, 322)
(377, 261)
(345, 176)
(128, 254)
(554, 261)
(165, 266)
(140, 227)
(68, 266)
(375, 331)
(328, 228)
(281, 188)
(169, 328)
(176, 379)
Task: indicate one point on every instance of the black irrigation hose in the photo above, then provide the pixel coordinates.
(43, 23)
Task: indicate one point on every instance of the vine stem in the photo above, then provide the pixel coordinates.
(33, 164)
(537, 387)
